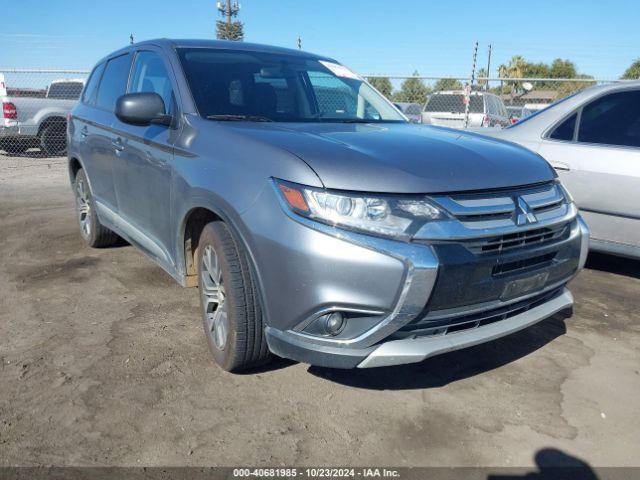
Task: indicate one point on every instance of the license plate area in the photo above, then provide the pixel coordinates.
(523, 286)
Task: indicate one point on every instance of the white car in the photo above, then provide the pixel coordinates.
(592, 139)
(447, 109)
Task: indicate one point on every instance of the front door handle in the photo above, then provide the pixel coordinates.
(84, 131)
(117, 144)
(561, 166)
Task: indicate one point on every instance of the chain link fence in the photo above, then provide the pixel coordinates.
(35, 103)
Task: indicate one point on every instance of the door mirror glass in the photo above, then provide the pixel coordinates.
(142, 109)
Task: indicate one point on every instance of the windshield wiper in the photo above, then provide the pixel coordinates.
(239, 118)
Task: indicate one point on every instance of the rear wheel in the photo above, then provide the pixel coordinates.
(231, 313)
(53, 139)
(91, 230)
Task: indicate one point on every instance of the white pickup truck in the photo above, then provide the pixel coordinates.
(37, 118)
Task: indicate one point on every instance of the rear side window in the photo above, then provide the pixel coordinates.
(114, 82)
(612, 120)
(150, 75)
(89, 94)
(565, 130)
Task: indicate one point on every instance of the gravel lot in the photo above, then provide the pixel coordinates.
(104, 363)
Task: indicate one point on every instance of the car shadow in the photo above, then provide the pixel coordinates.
(444, 369)
(276, 363)
(603, 262)
(552, 464)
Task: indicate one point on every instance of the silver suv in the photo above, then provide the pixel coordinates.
(317, 223)
(448, 109)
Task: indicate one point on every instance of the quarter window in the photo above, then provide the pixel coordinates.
(612, 120)
(150, 75)
(114, 82)
(565, 130)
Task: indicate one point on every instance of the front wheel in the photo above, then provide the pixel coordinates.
(231, 313)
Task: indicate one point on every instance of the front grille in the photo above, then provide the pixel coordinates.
(430, 325)
(511, 241)
(512, 214)
(523, 264)
(502, 208)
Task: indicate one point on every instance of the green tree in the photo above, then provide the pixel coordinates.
(633, 72)
(229, 31)
(447, 84)
(533, 70)
(382, 84)
(412, 90)
(563, 69)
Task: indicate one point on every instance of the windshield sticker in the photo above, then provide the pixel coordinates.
(340, 70)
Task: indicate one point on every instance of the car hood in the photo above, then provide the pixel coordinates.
(402, 158)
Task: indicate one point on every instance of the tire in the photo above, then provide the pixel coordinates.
(53, 139)
(92, 231)
(231, 313)
(14, 147)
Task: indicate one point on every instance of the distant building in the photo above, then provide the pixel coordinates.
(534, 96)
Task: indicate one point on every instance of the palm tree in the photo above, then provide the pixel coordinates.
(514, 69)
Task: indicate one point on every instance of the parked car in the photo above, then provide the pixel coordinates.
(316, 227)
(447, 109)
(593, 140)
(34, 121)
(514, 112)
(413, 111)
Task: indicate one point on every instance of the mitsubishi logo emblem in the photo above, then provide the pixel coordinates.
(524, 214)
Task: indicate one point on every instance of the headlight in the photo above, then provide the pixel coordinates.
(387, 215)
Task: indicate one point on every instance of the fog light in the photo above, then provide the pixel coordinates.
(334, 323)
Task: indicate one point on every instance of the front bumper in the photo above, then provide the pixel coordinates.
(411, 350)
(404, 299)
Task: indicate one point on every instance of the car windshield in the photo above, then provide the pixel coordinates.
(453, 103)
(235, 85)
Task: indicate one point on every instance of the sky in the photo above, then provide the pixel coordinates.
(394, 37)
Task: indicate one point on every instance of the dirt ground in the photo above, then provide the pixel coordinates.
(104, 362)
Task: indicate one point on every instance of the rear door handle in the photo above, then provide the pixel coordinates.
(564, 167)
(117, 144)
(84, 131)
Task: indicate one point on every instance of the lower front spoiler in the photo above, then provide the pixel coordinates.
(410, 350)
(398, 352)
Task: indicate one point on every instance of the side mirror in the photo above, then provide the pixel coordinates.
(142, 109)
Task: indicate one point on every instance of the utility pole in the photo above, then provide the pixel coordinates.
(470, 86)
(486, 85)
(228, 28)
(228, 9)
(131, 39)
(299, 42)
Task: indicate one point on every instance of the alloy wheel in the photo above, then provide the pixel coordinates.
(83, 208)
(213, 296)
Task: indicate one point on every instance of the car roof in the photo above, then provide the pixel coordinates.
(217, 44)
